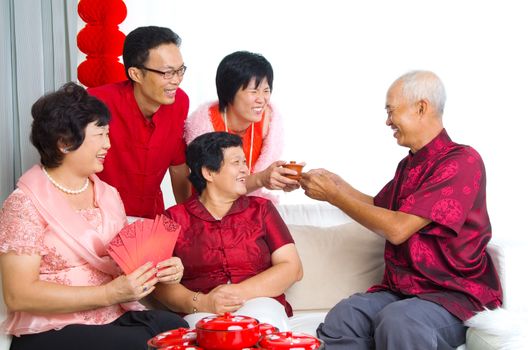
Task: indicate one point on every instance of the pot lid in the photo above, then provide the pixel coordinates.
(266, 328)
(180, 336)
(226, 322)
(181, 347)
(289, 340)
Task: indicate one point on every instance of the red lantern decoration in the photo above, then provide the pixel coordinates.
(102, 11)
(96, 71)
(97, 39)
(101, 41)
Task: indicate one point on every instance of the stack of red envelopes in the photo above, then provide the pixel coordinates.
(142, 241)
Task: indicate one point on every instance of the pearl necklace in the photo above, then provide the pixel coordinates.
(251, 145)
(64, 189)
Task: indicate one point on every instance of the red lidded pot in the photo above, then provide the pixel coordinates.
(227, 332)
(289, 340)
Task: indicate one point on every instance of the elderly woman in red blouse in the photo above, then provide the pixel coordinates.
(238, 253)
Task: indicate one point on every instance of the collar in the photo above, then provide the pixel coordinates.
(196, 208)
(435, 146)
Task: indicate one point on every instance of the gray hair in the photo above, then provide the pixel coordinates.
(423, 85)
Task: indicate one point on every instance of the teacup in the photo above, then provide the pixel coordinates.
(294, 166)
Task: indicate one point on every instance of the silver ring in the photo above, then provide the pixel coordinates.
(145, 289)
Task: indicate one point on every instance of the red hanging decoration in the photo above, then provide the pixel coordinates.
(102, 41)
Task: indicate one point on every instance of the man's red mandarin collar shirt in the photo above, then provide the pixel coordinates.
(446, 261)
(142, 150)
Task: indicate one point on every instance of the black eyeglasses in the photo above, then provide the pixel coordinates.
(168, 74)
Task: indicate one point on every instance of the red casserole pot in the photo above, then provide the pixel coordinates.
(290, 340)
(227, 332)
(180, 337)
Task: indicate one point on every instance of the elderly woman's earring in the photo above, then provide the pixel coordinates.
(65, 150)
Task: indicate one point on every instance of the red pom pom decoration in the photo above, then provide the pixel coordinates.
(101, 41)
(100, 70)
(102, 11)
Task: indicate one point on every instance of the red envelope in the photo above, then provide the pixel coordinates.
(142, 241)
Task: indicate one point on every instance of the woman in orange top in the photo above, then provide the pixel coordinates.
(244, 81)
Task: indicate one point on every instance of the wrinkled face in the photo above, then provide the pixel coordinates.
(249, 103)
(402, 117)
(152, 87)
(231, 177)
(90, 156)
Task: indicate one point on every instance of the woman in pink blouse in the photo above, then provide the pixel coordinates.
(61, 288)
(238, 253)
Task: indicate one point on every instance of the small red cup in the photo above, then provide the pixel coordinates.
(294, 166)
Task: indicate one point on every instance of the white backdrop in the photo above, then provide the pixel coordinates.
(334, 60)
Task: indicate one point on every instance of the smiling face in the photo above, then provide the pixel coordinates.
(89, 157)
(403, 117)
(250, 103)
(151, 89)
(230, 179)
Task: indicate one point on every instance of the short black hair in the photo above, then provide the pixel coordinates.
(62, 116)
(139, 42)
(236, 70)
(207, 151)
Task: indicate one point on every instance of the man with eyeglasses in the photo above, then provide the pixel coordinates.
(148, 112)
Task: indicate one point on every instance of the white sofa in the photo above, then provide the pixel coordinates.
(341, 257)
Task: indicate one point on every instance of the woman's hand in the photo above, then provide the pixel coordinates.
(132, 287)
(224, 298)
(170, 271)
(273, 177)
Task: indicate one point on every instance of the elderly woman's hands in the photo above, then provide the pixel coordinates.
(224, 298)
(170, 271)
(133, 286)
(321, 184)
(273, 177)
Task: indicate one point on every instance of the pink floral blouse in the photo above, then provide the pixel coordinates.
(24, 231)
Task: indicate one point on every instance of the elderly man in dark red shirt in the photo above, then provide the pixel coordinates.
(433, 215)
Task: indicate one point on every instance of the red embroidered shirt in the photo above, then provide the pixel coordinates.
(142, 150)
(446, 261)
(233, 249)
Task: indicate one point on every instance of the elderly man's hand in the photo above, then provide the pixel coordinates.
(321, 184)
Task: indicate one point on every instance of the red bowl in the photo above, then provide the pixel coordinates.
(180, 336)
(227, 332)
(290, 340)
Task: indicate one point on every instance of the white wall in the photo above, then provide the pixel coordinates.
(334, 60)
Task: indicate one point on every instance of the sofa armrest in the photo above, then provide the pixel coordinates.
(509, 258)
(5, 340)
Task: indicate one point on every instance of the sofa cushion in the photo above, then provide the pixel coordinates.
(337, 261)
(478, 340)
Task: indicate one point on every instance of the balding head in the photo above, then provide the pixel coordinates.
(423, 85)
(415, 103)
